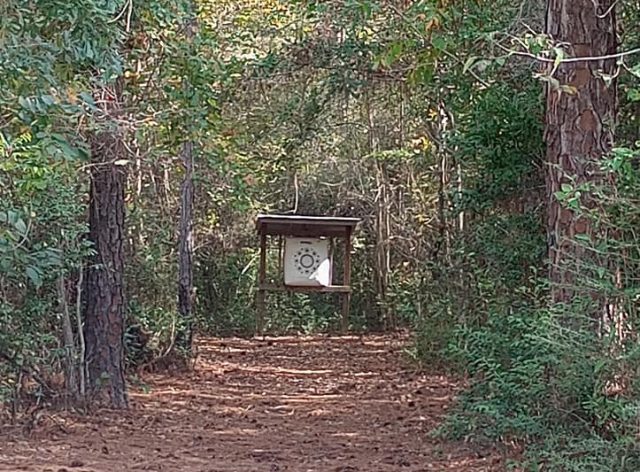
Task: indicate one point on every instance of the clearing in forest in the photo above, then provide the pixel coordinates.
(285, 404)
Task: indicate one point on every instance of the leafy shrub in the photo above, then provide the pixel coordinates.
(562, 380)
(41, 244)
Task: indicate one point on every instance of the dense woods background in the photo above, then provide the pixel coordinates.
(496, 175)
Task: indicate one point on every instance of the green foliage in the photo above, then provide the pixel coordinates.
(404, 114)
(498, 145)
(41, 239)
(52, 54)
(547, 380)
(226, 294)
(563, 380)
(551, 381)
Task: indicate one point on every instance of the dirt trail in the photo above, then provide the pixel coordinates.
(288, 404)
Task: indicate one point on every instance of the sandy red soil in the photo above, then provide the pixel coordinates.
(339, 404)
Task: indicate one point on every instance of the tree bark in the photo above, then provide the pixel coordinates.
(185, 276)
(71, 356)
(184, 337)
(104, 309)
(580, 118)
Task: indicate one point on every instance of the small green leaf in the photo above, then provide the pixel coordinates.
(559, 52)
(35, 276)
(469, 63)
(566, 188)
(47, 100)
(21, 226)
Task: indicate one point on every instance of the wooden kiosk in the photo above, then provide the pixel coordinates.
(306, 264)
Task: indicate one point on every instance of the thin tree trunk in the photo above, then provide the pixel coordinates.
(382, 246)
(381, 269)
(580, 120)
(71, 380)
(185, 277)
(104, 310)
(184, 338)
(82, 368)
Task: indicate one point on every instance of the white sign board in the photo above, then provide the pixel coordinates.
(306, 262)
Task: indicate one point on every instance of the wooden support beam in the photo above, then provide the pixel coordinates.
(346, 297)
(261, 295)
(290, 288)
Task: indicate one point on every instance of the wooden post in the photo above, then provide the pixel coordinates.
(346, 297)
(262, 275)
(332, 250)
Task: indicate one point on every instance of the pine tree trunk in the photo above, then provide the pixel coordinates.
(104, 309)
(580, 120)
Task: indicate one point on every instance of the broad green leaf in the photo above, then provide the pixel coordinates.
(34, 275)
(21, 226)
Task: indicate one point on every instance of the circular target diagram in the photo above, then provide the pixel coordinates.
(306, 260)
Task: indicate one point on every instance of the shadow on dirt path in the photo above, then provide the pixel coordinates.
(317, 404)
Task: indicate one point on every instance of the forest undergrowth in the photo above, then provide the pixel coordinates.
(489, 148)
